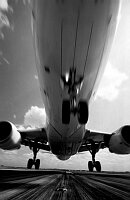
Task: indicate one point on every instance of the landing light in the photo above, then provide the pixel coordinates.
(67, 77)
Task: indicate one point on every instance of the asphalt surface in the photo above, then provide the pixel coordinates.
(60, 184)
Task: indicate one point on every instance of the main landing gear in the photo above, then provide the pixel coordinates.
(73, 84)
(69, 106)
(91, 164)
(34, 161)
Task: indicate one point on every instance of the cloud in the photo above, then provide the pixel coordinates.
(26, 1)
(36, 77)
(3, 18)
(113, 162)
(3, 22)
(111, 82)
(4, 8)
(3, 4)
(35, 117)
(3, 59)
(14, 116)
(13, 152)
(29, 154)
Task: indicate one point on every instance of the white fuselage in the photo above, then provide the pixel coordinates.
(70, 33)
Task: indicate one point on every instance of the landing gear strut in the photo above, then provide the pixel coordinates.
(73, 84)
(34, 161)
(91, 164)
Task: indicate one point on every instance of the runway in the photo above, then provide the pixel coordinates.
(61, 184)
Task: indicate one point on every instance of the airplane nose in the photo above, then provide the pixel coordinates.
(61, 149)
(63, 157)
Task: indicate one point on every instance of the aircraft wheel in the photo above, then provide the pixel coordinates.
(90, 166)
(37, 164)
(83, 112)
(98, 166)
(30, 164)
(66, 112)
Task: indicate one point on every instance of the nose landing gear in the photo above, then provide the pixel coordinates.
(82, 113)
(73, 85)
(69, 107)
(34, 161)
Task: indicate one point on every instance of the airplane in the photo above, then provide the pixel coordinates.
(72, 41)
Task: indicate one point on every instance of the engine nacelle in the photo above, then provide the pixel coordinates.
(120, 141)
(9, 136)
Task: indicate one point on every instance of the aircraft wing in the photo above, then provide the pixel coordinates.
(117, 142)
(36, 137)
(11, 138)
(99, 140)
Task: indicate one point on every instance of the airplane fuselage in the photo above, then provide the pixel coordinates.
(71, 34)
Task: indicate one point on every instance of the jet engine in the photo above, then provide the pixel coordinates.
(120, 141)
(9, 136)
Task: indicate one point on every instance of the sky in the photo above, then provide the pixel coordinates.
(20, 98)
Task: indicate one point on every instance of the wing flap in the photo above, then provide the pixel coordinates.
(34, 134)
(35, 138)
(93, 139)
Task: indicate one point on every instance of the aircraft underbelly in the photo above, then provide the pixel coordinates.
(74, 34)
(71, 33)
(63, 145)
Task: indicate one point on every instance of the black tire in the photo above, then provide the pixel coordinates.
(98, 166)
(82, 112)
(37, 164)
(30, 163)
(90, 166)
(66, 112)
